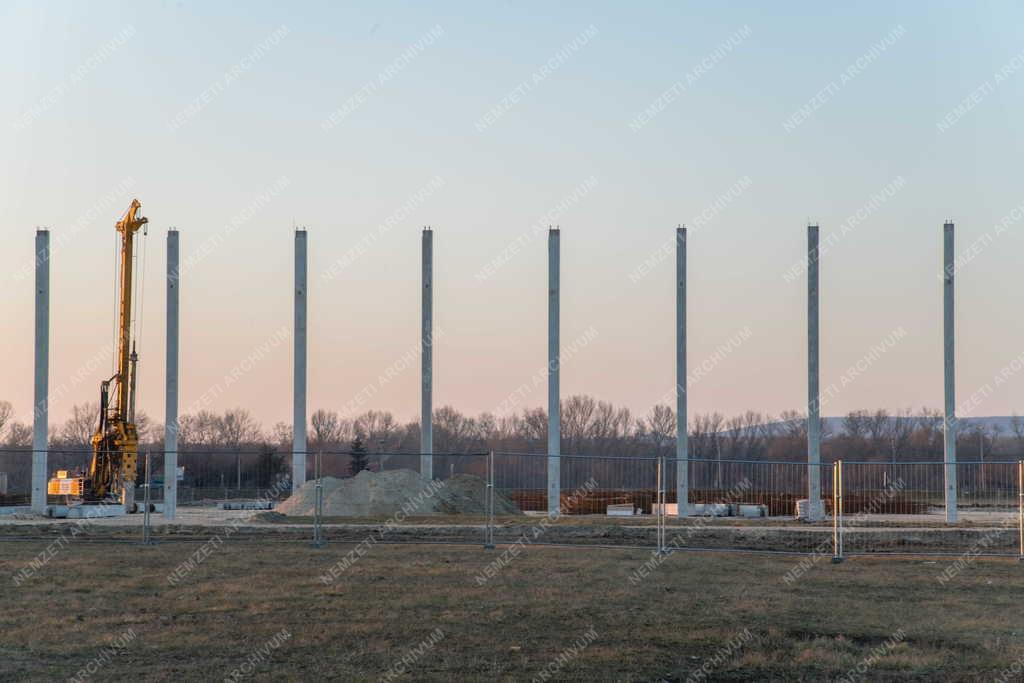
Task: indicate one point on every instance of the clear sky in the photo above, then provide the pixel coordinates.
(366, 121)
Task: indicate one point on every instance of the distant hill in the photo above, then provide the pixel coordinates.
(834, 425)
(1003, 422)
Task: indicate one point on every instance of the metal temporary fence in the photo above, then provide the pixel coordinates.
(498, 498)
(208, 476)
(900, 508)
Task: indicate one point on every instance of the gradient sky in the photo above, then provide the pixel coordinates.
(84, 127)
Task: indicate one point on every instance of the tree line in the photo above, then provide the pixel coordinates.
(589, 426)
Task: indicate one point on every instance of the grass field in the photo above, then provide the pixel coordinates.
(260, 611)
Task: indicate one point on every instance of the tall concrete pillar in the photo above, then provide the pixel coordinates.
(171, 383)
(40, 414)
(814, 506)
(299, 390)
(682, 436)
(949, 370)
(554, 408)
(427, 359)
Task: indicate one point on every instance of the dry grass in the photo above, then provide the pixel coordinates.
(664, 627)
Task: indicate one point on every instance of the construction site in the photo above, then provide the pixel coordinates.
(178, 509)
(667, 342)
(856, 506)
(340, 503)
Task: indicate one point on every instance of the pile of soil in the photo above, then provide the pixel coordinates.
(375, 494)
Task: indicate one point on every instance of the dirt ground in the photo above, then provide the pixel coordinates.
(234, 607)
(989, 533)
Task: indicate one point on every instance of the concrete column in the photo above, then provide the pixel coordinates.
(171, 383)
(427, 358)
(40, 413)
(554, 408)
(949, 367)
(814, 506)
(299, 390)
(682, 436)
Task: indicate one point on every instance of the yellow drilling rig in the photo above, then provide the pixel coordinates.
(115, 444)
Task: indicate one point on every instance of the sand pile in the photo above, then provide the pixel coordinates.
(387, 493)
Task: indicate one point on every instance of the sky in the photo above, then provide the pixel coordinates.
(365, 122)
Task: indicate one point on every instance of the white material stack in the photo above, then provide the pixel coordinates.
(712, 509)
(803, 509)
(753, 511)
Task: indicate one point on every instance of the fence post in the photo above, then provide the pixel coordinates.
(837, 511)
(1020, 509)
(489, 531)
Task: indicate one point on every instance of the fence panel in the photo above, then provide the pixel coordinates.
(752, 505)
(620, 490)
(611, 500)
(900, 508)
(210, 476)
(15, 476)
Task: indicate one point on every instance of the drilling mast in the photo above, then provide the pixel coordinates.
(115, 444)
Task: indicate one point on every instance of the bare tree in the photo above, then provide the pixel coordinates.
(6, 415)
(660, 428)
(904, 424)
(1017, 427)
(577, 412)
(282, 435)
(879, 427)
(200, 429)
(19, 435)
(453, 431)
(237, 428)
(77, 430)
(378, 429)
(608, 428)
(149, 430)
(329, 430)
(704, 437)
(535, 426)
(857, 424)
